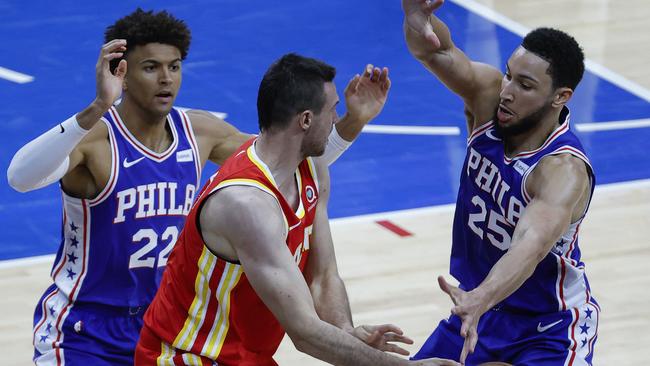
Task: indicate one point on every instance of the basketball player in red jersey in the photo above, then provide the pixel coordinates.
(255, 258)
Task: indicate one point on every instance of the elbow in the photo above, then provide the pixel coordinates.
(13, 178)
(302, 333)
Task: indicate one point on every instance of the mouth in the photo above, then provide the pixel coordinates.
(165, 96)
(504, 114)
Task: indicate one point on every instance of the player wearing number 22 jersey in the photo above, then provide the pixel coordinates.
(114, 248)
(220, 317)
(552, 318)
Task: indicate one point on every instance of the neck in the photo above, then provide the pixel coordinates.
(149, 128)
(533, 138)
(281, 153)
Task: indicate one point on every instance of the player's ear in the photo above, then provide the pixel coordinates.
(305, 119)
(562, 96)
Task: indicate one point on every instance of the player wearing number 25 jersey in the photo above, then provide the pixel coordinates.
(553, 310)
(220, 317)
(110, 273)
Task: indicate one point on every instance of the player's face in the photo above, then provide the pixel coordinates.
(526, 93)
(316, 137)
(153, 77)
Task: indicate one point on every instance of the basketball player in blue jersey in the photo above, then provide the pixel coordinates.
(128, 175)
(525, 187)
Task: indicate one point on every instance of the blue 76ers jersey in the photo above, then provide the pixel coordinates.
(491, 199)
(115, 246)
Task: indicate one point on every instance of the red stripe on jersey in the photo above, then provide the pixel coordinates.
(576, 316)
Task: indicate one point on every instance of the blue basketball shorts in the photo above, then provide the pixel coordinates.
(84, 333)
(565, 338)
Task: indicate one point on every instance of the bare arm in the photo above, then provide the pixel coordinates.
(255, 230)
(326, 286)
(217, 138)
(429, 41)
(560, 187)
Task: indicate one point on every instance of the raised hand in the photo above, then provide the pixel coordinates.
(416, 14)
(109, 85)
(379, 336)
(366, 94)
(469, 309)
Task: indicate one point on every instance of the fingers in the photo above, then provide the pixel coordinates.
(471, 338)
(353, 85)
(385, 328)
(396, 349)
(433, 5)
(111, 50)
(446, 287)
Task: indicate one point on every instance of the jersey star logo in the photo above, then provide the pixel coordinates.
(72, 258)
(73, 227)
(74, 242)
(71, 274)
(584, 329)
(588, 313)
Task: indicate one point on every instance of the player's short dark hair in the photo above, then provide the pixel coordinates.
(142, 27)
(567, 62)
(291, 85)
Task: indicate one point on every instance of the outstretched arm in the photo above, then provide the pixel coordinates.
(429, 41)
(560, 187)
(327, 287)
(254, 228)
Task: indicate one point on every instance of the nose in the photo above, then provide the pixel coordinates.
(506, 90)
(165, 77)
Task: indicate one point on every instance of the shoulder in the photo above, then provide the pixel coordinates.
(239, 208)
(207, 124)
(556, 173)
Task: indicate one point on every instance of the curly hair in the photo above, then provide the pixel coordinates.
(565, 56)
(143, 27)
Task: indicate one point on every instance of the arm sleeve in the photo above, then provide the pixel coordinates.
(46, 158)
(336, 145)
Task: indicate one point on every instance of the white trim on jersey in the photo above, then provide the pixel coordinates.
(57, 305)
(312, 169)
(128, 136)
(582, 333)
(479, 131)
(115, 167)
(186, 122)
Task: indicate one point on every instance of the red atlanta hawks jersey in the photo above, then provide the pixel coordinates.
(205, 308)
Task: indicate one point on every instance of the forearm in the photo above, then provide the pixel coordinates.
(510, 272)
(331, 302)
(334, 346)
(44, 159)
(349, 127)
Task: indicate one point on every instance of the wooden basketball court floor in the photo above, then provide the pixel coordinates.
(392, 279)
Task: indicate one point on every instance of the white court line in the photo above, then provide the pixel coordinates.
(613, 125)
(521, 30)
(610, 187)
(412, 130)
(15, 76)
